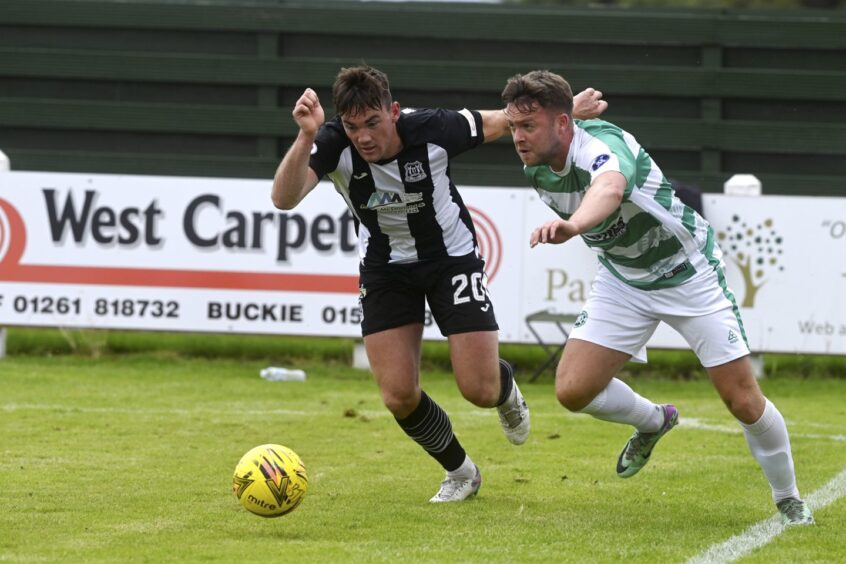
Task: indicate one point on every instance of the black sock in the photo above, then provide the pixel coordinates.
(506, 378)
(429, 426)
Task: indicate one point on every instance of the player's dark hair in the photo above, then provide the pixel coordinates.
(357, 89)
(547, 89)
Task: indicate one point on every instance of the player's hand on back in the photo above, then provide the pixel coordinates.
(308, 113)
(555, 232)
(588, 104)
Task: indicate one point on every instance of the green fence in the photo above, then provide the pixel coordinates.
(184, 88)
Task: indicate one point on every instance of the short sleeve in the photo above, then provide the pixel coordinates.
(455, 131)
(605, 150)
(327, 147)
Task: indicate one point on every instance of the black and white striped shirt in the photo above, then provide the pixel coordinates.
(407, 209)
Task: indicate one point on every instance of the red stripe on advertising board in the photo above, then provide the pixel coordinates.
(180, 278)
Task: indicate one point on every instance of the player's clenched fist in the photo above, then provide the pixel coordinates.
(588, 104)
(308, 113)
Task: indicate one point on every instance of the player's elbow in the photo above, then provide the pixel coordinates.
(615, 191)
(611, 187)
(284, 205)
(283, 201)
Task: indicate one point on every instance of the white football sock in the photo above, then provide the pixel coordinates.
(618, 403)
(466, 470)
(770, 445)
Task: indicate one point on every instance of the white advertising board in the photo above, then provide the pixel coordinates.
(786, 262)
(184, 254)
(205, 254)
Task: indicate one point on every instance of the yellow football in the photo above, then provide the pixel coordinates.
(270, 480)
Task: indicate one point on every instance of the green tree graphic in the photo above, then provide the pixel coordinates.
(756, 251)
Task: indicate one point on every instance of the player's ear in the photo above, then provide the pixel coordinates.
(563, 121)
(395, 111)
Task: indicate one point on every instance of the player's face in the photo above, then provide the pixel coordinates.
(541, 136)
(374, 133)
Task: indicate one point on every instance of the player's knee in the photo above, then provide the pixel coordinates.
(746, 403)
(481, 393)
(569, 390)
(571, 397)
(747, 408)
(400, 403)
(572, 401)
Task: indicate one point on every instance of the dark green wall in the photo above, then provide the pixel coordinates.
(178, 88)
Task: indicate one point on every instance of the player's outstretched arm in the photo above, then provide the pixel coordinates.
(588, 104)
(494, 124)
(294, 178)
(600, 201)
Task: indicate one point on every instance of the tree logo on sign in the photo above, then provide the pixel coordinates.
(756, 250)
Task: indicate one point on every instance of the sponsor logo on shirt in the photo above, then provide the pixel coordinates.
(394, 202)
(676, 270)
(582, 319)
(414, 172)
(610, 233)
(599, 161)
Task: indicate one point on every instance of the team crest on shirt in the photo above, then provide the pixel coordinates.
(599, 161)
(414, 172)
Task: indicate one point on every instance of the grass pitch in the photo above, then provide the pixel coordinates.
(130, 459)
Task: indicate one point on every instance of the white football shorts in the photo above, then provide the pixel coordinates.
(623, 318)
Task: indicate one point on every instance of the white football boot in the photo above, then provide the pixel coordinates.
(514, 417)
(457, 489)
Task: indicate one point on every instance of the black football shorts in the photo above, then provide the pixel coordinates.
(394, 295)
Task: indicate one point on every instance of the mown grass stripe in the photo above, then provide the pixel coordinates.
(688, 423)
(762, 533)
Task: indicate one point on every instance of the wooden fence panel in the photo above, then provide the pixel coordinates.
(183, 88)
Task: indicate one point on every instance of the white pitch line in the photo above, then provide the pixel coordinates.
(765, 531)
(694, 423)
(685, 422)
(820, 425)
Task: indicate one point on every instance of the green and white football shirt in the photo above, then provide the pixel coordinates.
(652, 240)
